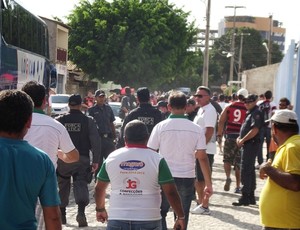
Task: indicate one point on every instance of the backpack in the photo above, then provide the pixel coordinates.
(265, 108)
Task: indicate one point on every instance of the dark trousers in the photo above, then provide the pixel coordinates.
(107, 146)
(185, 187)
(265, 133)
(248, 176)
(80, 172)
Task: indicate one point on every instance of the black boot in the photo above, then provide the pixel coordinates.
(252, 198)
(63, 215)
(243, 201)
(80, 218)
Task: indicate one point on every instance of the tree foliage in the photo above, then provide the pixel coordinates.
(254, 53)
(132, 42)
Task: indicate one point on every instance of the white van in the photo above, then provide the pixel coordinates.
(58, 104)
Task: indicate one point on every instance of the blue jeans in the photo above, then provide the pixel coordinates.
(133, 225)
(185, 187)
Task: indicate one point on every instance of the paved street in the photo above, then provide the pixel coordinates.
(223, 216)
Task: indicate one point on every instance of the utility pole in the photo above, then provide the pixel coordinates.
(269, 57)
(232, 46)
(206, 51)
(240, 55)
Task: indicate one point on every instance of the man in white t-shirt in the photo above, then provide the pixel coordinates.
(136, 174)
(206, 118)
(47, 134)
(180, 141)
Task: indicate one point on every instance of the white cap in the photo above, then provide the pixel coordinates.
(242, 92)
(284, 116)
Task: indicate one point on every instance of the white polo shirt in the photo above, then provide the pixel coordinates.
(49, 135)
(207, 117)
(177, 139)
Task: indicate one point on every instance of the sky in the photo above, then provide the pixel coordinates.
(285, 12)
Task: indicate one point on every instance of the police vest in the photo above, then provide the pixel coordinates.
(77, 124)
(236, 114)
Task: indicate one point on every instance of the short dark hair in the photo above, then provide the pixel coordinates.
(16, 108)
(240, 97)
(284, 99)
(221, 97)
(177, 100)
(268, 94)
(191, 101)
(287, 128)
(143, 94)
(36, 91)
(204, 88)
(136, 131)
(127, 90)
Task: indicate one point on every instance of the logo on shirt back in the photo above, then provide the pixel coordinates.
(132, 165)
(147, 120)
(131, 186)
(73, 127)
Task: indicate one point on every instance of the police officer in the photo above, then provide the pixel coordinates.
(145, 112)
(84, 134)
(249, 141)
(104, 117)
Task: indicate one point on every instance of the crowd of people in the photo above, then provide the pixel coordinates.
(164, 157)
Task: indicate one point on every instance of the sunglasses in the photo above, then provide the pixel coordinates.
(200, 95)
(248, 102)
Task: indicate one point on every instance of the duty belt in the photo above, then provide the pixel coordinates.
(231, 136)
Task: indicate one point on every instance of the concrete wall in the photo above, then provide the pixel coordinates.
(52, 39)
(259, 80)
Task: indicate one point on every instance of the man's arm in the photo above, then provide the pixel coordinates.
(52, 218)
(286, 180)
(222, 120)
(113, 130)
(252, 133)
(201, 156)
(69, 157)
(100, 189)
(172, 195)
(95, 142)
(209, 133)
(65, 143)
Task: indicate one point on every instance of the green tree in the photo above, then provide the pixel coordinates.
(254, 53)
(131, 41)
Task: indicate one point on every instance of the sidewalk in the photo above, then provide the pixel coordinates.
(223, 214)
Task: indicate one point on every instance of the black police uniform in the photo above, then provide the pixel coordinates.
(84, 134)
(104, 118)
(249, 151)
(146, 113)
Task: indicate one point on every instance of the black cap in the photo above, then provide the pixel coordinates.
(136, 131)
(99, 93)
(251, 98)
(162, 104)
(75, 99)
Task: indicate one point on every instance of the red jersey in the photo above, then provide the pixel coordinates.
(236, 114)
